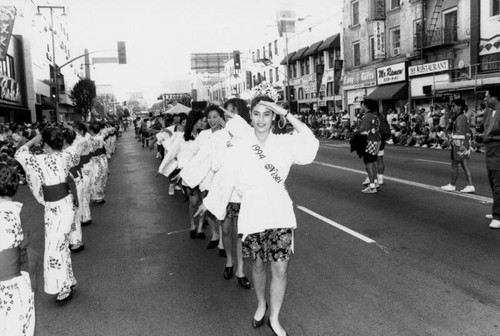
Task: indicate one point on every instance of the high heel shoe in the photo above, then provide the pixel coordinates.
(192, 234)
(244, 282)
(228, 272)
(274, 332)
(222, 253)
(260, 322)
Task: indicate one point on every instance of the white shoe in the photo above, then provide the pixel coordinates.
(366, 181)
(448, 187)
(171, 190)
(177, 187)
(488, 216)
(424, 146)
(468, 189)
(380, 180)
(495, 224)
(369, 190)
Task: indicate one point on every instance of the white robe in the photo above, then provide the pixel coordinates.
(259, 175)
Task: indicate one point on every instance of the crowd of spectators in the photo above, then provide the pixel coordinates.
(425, 128)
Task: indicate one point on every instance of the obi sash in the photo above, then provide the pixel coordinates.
(99, 151)
(57, 192)
(84, 159)
(10, 263)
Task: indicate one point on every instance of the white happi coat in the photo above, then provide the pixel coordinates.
(258, 175)
(197, 171)
(179, 153)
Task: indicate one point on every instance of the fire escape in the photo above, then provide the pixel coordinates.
(434, 36)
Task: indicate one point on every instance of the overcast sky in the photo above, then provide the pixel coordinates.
(160, 35)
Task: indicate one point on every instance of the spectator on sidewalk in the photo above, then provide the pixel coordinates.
(370, 127)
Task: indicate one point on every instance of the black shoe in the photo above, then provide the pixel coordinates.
(259, 323)
(192, 234)
(100, 201)
(222, 253)
(78, 249)
(274, 332)
(87, 222)
(228, 272)
(213, 244)
(244, 282)
(201, 235)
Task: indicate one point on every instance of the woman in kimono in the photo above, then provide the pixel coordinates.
(258, 167)
(197, 173)
(17, 309)
(47, 176)
(181, 150)
(71, 143)
(83, 136)
(99, 164)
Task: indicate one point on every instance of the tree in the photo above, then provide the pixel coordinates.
(83, 96)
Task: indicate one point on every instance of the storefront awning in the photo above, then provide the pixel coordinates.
(331, 42)
(312, 49)
(299, 54)
(289, 56)
(390, 91)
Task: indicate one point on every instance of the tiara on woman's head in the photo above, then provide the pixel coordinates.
(265, 89)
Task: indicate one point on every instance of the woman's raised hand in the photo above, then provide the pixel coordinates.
(274, 107)
(221, 122)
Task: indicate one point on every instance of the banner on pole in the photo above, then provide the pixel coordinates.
(379, 39)
(7, 16)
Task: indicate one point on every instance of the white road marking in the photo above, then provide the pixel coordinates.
(178, 231)
(337, 225)
(432, 161)
(329, 147)
(479, 198)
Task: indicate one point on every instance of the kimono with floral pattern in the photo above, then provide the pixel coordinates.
(17, 309)
(87, 172)
(99, 168)
(51, 169)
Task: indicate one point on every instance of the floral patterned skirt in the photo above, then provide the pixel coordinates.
(233, 210)
(270, 245)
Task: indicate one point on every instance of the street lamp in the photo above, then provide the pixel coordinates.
(54, 65)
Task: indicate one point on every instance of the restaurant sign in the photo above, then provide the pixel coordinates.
(391, 74)
(428, 68)
(358, 79)
(10, 90)
(7, 16)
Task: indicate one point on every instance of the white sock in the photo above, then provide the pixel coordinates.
(380, 178)
(372, 185)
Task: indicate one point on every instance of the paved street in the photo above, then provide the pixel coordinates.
(418, 261)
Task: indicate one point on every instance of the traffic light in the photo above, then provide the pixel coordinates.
(122, 53)
(236, 58)
(53, 92)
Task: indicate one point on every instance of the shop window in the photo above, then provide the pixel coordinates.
(301, 93)
(275, 47)
(321, 57)
(307, 66)
(495, 7)
(355, 13)
(270, 51)
(331, 52)
(277, 74)
(263, 52)
(271, 75)
(356, 54)
(395, 34)
(329, 89)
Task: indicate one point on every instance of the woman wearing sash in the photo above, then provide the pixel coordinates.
(258, 167)
(17, 309)
(99, 164)
(181, 150)
(47, 176)
(71, 143)
(83, 135)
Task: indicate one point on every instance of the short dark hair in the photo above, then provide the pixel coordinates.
(370, 104)
(53, 137)
(241, 107)
(459, 102)
(258, 99)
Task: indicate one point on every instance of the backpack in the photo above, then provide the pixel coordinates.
(384, 129)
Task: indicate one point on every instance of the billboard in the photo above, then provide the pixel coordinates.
(209, 62)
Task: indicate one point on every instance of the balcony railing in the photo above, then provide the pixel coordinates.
(435, 38)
